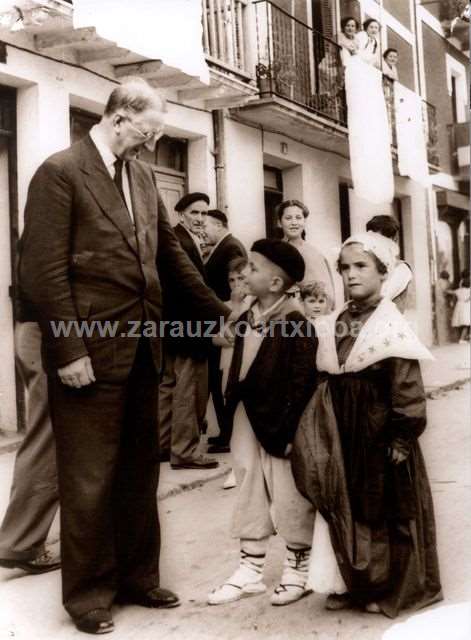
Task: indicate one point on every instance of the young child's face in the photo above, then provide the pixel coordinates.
(261, 276)
(359, 272)
(315, 306)
(238, 279)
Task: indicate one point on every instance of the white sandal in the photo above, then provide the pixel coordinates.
(288, 593)
(242, 584)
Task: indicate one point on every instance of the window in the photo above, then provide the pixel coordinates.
(273, 191)
(344, 203)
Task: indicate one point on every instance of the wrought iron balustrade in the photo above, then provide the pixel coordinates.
(431, 132)
(298, 63)
(459, 141)
(224, 32)
(429, 116)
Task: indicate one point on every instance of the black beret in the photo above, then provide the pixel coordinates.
(218, 215)
(189, 198)
(284, 255)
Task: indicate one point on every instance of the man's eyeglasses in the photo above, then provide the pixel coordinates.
(147, 135)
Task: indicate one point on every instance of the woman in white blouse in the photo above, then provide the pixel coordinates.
(368, 41)
(390, 58)
(346, 38)
(292, 216)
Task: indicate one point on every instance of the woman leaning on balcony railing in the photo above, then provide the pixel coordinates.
(346, 39)
(390, 59)
(369, 48)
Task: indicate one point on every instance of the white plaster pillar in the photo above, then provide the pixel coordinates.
(43, 116)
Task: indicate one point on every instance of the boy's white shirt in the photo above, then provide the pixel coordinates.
(252, 339)
(386, 334)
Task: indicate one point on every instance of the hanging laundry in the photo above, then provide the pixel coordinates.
(368, 133)
(411, 145)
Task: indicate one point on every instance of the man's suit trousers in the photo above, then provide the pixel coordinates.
(215, 389)
(34, 496)
(183, 396)
(108, 464)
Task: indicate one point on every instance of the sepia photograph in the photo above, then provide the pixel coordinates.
(235, 320)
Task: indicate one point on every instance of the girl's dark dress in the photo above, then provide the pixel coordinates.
(380, 514)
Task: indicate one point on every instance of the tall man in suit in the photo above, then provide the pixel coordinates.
(96, 244)
(225, 249)
(183, 393)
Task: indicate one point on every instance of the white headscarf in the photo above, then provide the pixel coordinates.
(384, 249)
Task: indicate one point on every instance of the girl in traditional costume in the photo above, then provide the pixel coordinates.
(356, 455)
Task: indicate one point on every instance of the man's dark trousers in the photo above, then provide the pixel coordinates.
(215, 389)
(121, 462)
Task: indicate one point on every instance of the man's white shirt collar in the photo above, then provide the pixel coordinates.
(109, 158)
(105, 152)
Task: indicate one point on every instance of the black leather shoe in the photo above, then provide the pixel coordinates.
(199, 462)
(219, 448)
(42, 564)
(338, 601)
(217, 440)
(156, 598)
(96, 621)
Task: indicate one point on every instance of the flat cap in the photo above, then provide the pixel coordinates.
(284, 255)
(217, 214)
(188, 199)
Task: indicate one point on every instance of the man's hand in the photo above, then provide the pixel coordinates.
(397, 456)
(238, 294)
(78, 373)
(228, 332)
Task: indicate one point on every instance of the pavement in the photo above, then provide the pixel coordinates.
(449, 369)
(196, 512)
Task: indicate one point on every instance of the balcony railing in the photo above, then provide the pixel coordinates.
(459, 147)
(429, 120)
(298, 63)
(431, 132)
(224, 32)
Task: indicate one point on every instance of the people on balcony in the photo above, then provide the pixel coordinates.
(390, 60)
(368, 41)
(292, 216)
(346, 38)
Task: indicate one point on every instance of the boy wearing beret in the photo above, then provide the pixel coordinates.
(271, 379)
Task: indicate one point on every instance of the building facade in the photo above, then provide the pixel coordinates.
(271, 125)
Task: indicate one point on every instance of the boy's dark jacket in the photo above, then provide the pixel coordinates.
(280, 381)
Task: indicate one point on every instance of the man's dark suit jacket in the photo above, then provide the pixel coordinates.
(217, 265)
(82, 260)
(279, 382)
(184, 340)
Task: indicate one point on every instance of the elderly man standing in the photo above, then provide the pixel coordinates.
(183, 394)
(96, 242)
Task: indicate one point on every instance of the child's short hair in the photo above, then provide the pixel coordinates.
(237, 265)
(315, 289)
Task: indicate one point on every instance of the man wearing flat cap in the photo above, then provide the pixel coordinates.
(183, 392)
(224, 249)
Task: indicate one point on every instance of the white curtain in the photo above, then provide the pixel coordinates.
(167, 30)
(411, 145)
(368, 133)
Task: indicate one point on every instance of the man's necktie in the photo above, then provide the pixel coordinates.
(118, 177)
